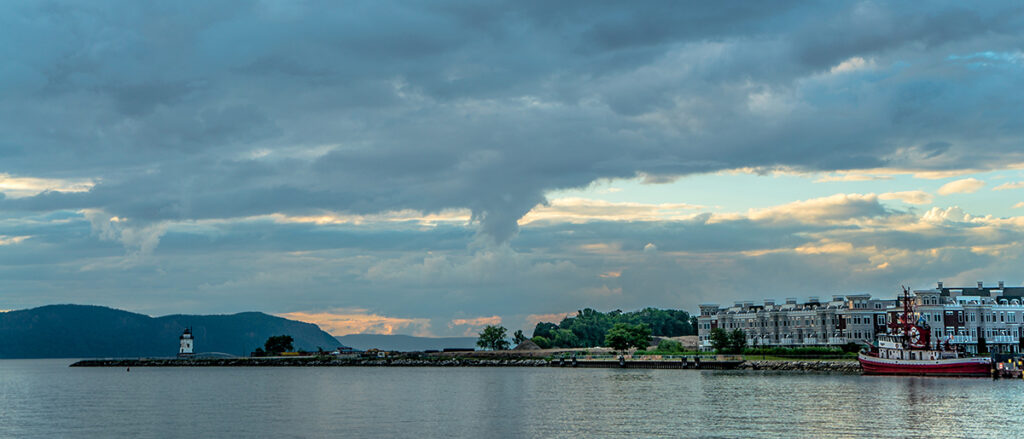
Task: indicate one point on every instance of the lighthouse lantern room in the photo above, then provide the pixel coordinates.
(186, 343)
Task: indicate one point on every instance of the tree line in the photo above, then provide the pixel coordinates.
(589, 327)
(621, 337)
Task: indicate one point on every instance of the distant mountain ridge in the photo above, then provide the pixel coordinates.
(88, 331)
(406, 343)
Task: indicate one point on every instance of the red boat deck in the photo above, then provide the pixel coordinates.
(948, 367)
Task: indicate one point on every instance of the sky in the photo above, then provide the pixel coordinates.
(429, 168)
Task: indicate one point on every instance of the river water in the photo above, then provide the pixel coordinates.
(45, 398)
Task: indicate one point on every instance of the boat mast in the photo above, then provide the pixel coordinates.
(906, 317)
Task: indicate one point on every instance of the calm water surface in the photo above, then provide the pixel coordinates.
(45, 398)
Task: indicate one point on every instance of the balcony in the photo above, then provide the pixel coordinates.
(1004, 339)
(810, 340)
(964, 339)
(837, 340)
(786, 342)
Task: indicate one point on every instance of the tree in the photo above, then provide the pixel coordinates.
(518, 337)
(725, 342)
(719, 339)
(544, 329)
(278, 343)
(590, 326)
(737, 341)
(542, 342)
(622, 336)
(564, 338)
(493, 338)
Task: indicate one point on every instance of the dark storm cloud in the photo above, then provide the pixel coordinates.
(198, 110)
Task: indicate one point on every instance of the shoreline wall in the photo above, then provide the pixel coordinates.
(310, 362)
(807, 366)
(762, 365)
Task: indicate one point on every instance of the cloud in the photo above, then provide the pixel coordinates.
(430, 277)
(909, 197)
(848, 176)
(139, 239)
(531, 320)
(17, 187)
(11, 240)
(467, 109)
(402, 216)
(963, 186)
(852, 65)
(825, 247)
(576, 210)
(401, 157)
(1006, 186)
(838, 207)
(472, 326)
(939, 215)
(1018, 205)
(360, 321)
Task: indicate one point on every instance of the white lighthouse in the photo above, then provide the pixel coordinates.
(186, 343)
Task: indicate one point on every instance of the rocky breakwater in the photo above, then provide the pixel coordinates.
(312, 362)
(803, 366)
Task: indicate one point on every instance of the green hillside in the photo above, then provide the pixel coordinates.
(85, 331)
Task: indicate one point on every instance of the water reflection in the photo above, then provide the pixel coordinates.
(41, 399)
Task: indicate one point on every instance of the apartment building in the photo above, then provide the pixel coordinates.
(976, 318)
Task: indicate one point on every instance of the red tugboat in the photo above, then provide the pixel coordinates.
(905, 350)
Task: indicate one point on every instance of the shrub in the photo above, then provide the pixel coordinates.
(542, 342)
(670, 346)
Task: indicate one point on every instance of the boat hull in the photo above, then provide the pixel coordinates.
(981, 367)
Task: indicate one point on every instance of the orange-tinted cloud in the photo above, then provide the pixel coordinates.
(909, 197)
(474, 325)
(359, 321)
(556, 317)
(580, 210)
